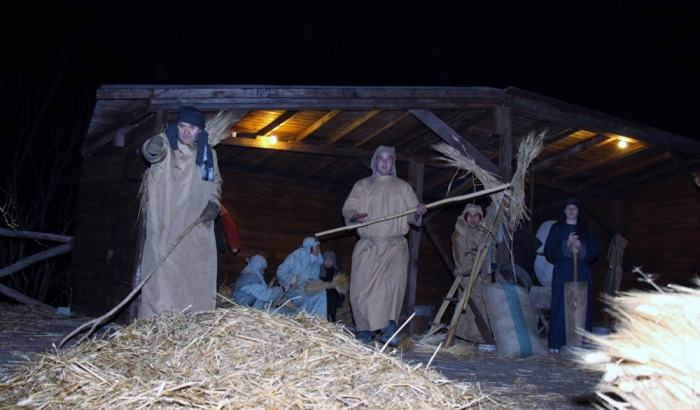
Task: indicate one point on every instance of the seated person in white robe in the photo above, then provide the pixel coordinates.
(251, 290)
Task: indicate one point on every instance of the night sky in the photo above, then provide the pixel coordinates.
(638, 61)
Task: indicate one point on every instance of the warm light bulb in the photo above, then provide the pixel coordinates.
(273, 139)
(622, 144)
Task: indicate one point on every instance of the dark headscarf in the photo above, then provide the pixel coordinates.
(581, 225)
(328, 273)
(205, 155)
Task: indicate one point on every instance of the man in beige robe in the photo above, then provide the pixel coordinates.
(380, 258)
(471, 230)
(183, 184)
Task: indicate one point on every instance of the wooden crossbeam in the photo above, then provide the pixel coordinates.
(316, 125)
(359, 121)
(454, 139)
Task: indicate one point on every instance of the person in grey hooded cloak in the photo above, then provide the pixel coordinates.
(252, 290)
(300, 266)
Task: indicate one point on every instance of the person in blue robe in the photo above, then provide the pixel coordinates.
(571, 231)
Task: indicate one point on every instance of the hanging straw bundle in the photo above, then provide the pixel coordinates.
(651, 360)
(341, 280)
(231, 359)
(528, 149)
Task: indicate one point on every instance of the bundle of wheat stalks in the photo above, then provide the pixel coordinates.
(528, 149)
(341, 280)
(433, 343)
(651, 361)
(230, 358)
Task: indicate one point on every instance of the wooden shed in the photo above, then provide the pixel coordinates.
(279, 193)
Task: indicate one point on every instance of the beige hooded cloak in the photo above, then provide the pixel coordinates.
(177, 195)
(465, 244)
(380, 258)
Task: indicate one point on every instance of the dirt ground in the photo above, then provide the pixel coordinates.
(552, 382)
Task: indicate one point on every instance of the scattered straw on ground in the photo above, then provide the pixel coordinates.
(230, 358)
(651, 359)
(433, 343)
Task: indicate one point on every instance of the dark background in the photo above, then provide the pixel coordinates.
(637, 61)
(634, 60)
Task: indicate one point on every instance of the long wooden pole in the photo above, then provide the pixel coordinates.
(127, 299)
(410, 211)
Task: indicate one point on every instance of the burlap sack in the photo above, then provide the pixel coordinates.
(513, 321)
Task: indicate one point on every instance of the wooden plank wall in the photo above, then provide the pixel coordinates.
(275, 214)
(106, 226)
(662, 224)
(93, 258)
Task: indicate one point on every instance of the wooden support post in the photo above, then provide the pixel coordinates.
(415, 179)
(685, 170)
(502, 128)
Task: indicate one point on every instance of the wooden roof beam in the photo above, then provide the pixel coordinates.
(455, 140)
(316, 125)
(567, 154)
(578, 191)
(460, 121)
(250, 96)
(685, 170)
(421, 131)
(637, 166)
(359, 121)
(274, 124)
(381, 129)
(538, 106)
(329, 150)
(639, 177)
(631, 149)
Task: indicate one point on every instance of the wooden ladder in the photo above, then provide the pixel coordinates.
(465, 300)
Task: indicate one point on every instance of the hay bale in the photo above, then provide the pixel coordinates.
(651, 359)
(230, 358)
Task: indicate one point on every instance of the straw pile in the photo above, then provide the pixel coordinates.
(230, 358)
(651, 360)
(341, 280)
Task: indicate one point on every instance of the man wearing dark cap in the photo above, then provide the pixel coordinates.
(183, 184)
